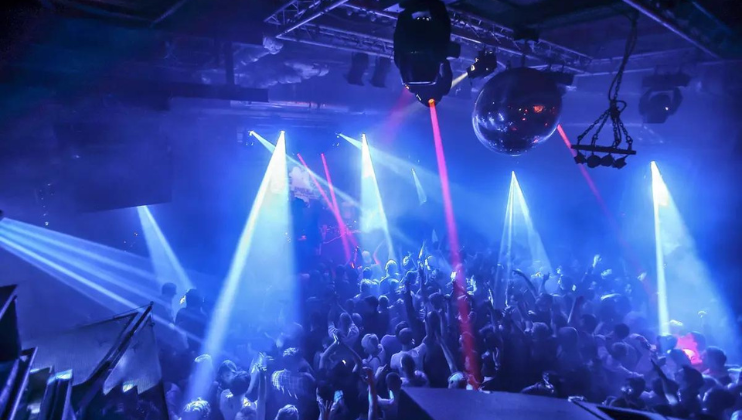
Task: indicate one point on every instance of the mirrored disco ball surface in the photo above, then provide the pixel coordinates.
(516, 110)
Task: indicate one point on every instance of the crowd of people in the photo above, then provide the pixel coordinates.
(367, 329)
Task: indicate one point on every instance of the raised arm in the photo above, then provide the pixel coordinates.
(373, 396)
(530, 285)
(262, 393)
(415, 323)
(542, 285)
(326, 354)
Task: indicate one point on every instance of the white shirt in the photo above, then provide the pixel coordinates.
(417, 355)
(229, 405)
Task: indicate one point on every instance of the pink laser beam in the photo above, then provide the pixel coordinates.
(453, 238)
(333, 208)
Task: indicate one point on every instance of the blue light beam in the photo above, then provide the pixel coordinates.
(677, 260)
(268, 224)
(321, 179)
(102, 256)
(519, 234)
(373, 216)
(422, 198)
(524, 227)
(164, 261)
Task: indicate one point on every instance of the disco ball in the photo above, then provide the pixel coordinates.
(516, 110)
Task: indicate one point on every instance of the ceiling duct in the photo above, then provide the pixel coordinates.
(251, 53)
(269, 72)
(287, 72)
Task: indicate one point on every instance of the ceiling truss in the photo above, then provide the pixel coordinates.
(295, 21)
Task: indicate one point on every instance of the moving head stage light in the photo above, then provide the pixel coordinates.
(422, 46)
(484, 65)
(662, 97)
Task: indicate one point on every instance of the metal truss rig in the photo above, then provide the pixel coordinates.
(468, 29)
(480, 32)
(692, 22)
(324, 36)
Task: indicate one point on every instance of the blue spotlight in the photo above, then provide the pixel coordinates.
(93, 253)
(676, 256)
(519, 227)
(268, 145)
(269, 225)
(343, 195)
(351, 140)
(428, 179)
(66, 275)
(115, 292)
(166, 264)
(506, 243)
(539, 258)
(118, 283)
(660, 197)
(373, 216)
(421, 197)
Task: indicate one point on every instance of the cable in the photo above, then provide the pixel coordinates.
(615, 108)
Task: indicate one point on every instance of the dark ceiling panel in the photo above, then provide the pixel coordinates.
(535, 13)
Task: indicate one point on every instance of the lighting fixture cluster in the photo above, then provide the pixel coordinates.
(484, 65)
(593, 160)
(613, 113)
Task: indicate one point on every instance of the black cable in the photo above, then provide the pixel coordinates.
(628, 50)
(615, 106)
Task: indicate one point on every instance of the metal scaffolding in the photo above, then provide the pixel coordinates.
(324, 36)
(692, 22)
(295, 21)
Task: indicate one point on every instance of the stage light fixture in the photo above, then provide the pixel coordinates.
(422, 46)
(662, 97)
(593, 161)
(484, 65)
(358, 67)
(655, 108)
(381, 70)
(434, 92)
(620, 162)
(607, 160)
(580, 158)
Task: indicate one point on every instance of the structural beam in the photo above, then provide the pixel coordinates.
(694, 25)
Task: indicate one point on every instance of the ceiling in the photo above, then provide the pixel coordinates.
(67, 59)
(584, 36)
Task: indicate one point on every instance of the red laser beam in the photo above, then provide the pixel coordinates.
(316, 183)
(453, 238)
(329, 182)
(588, 178)
(345, 232)
(333, 209)
(609, 215)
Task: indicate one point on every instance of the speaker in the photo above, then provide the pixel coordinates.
(448, 404)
